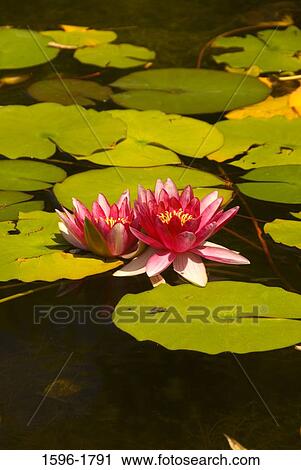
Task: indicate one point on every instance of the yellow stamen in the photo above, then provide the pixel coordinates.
(111, 221)
(166, 216)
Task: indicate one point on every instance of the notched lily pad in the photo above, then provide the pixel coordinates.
(13, 202)
(118, 137)
(112, 181)
(73, 37)
(38, 252)
(287, 232)
(45, 126)
(154, 138)
(270, 50)
(274, 183)
(25, 175)
(93, 47)
(69, 91)
(22, 48)
(261, 142)
(121, 56)
(188, 91)
(263, 319)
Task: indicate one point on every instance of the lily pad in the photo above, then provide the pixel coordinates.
(79, 36)
(13, 202)
(154, 138)
(262, 142)
(287, 232)
(45, 126)
(279, 106)
(274, 184)
(112, 182)
(188, 91)
(25, 175)
(188, 317)
(68, 91)
(125, 138)
(270, 50)
(24, 48)
(37, 253)
(121, 56)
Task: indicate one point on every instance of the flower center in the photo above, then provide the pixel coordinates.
(167, 216)
(110, 221)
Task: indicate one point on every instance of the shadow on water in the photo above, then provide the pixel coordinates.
(115, 392)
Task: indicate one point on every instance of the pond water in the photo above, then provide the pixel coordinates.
(113, 391)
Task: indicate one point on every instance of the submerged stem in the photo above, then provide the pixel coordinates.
(28, 292)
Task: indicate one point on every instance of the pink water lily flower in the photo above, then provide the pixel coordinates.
(176, 228)
(105, 230)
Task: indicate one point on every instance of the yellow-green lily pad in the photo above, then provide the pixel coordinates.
(13, 202)
(214, 319)
(69, 91)
(37, 252)
(287, 232)
(22, 48)
(113, 181)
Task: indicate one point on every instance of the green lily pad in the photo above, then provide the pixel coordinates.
(287, 232)
(154, 138)
(113, 181)
(188, 91)
(187, 317)
(25, 175)
(24, 48)
(121, 56)
(125, 138)
(263, 142)
(80, 36)
(45, 126)
(274, 184)
(68, 91)
(37, 253)
(270, 50)
(13, 202)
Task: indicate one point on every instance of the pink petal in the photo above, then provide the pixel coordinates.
(117, 239)
(184, 241)
(186, 196)
(125, 196)
(97, 211)
(70, 237)
(136, 266)
(163, 234)
(124, 209)
(191, 267)
(158, 187)
(221, 255)
(163, 200)
(68, 220)
(217, 246)
(226, 217)
(205, 232)
(103, 202)
(158, 262)
(210, 211)
(207, 200)
(171, 188)
(146, 238)
(80, 210)
(102, 226)
(141, 194)
(150, 198)
(114, 211)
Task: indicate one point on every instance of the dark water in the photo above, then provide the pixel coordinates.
(114, 391)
